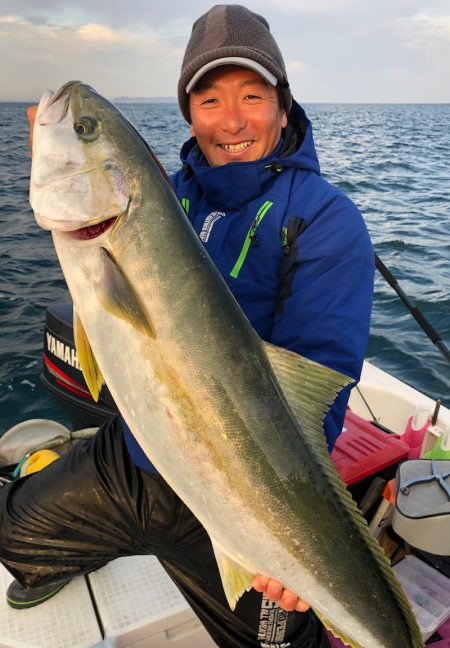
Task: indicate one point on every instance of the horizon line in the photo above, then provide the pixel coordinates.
(166, 100)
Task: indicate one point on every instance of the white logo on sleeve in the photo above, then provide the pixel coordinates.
(208, 225)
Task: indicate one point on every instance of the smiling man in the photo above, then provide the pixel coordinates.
(297, 257)
(236, 115)
(294, 251)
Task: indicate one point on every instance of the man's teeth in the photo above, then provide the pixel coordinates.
(235, 148)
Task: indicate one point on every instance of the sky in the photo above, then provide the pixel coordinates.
(388, 51)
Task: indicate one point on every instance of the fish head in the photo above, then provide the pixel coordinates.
(82, 175)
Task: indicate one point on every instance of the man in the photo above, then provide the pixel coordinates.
(296, 254)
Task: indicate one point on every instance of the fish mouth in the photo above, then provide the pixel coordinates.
(92, 231)
(75, 229)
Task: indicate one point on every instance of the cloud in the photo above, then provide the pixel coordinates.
(335, 50)
(11, 20)
(317, 7)
(102, 33)
(429, 34)
(296, 66)
(424, 26)
(115, 13)
(113, 60)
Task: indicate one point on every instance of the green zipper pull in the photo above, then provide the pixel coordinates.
(185, 204)
(250, 238)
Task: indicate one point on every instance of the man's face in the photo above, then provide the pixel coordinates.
(235, 115)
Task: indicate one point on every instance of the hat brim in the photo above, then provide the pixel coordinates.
(232, 60)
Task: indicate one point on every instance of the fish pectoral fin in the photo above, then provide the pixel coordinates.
(89, 367)
(235, 579)
(117, 296)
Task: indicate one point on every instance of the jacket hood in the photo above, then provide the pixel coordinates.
(234, 184)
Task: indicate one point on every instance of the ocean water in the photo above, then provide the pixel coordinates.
(392, 160)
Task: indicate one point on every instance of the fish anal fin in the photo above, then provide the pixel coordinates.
(336, 633)
(118, 297)
(89, 367)
(235, 579)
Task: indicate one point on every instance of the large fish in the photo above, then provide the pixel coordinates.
(233, 424)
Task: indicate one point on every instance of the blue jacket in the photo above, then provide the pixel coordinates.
(293, 249)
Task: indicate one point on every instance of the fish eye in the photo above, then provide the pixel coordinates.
(86, 128)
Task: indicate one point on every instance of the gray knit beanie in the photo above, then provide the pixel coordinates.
(231, 34)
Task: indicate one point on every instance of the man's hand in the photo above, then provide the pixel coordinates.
(31, 116)
(287, 599)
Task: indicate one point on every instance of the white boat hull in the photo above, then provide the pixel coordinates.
(392, 402)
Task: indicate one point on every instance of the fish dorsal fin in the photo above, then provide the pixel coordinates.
(235, 579)
(89, 367)
(309, 389)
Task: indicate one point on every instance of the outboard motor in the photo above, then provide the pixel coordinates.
(61, 373)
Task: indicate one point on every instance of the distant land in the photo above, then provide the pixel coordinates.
(144, 100)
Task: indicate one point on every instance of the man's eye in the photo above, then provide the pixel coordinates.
(208, 101)
(252, 97)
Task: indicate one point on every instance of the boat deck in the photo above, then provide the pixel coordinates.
(130, 603)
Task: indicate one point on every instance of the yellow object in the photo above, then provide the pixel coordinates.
(37, 461)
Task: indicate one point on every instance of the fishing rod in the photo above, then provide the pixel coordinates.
(415, 312)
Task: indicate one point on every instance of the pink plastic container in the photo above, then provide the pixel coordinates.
(444, 631)
(364, 450)
(413, 436)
